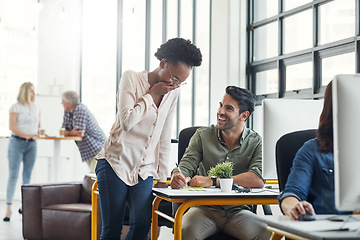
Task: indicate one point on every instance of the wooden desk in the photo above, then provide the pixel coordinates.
(207, 196)
(54, 164)
(321, 229)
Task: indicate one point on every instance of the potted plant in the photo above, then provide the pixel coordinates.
(224, 172)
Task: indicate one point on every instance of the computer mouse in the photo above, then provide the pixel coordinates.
(306, 217)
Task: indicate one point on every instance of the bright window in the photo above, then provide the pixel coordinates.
(299, 76)
(298, 31)
(340, 64)
(18, 53)
(99, 60)
(266, 42)
(337, 20)
(267, 82)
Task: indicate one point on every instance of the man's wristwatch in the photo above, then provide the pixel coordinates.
(214, 181)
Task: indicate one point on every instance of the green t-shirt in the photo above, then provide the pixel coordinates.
(206, 149)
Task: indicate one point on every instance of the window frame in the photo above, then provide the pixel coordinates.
(315, 54)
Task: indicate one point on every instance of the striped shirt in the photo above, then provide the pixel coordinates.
(94, 137)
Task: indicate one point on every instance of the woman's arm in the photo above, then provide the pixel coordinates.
(298, 183)
(292, 207)
(131, 109)
(165, 141)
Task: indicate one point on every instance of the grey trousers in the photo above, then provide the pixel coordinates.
(201, 222)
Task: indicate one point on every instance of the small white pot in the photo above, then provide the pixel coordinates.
(226, 184)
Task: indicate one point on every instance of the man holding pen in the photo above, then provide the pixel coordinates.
(229, 140)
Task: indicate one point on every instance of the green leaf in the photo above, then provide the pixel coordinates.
(221, 170)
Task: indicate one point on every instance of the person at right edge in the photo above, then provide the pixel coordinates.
(310, 185)
(138, 148)
(228, 140)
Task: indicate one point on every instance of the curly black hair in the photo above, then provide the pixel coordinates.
(179, 50)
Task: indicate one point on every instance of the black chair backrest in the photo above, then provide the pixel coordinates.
(285, 151)
(184, 138)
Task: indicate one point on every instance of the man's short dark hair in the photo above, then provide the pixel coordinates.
(244, 97)
(179, 50)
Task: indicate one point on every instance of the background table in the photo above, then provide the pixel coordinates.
(205, 196)
(54, 163)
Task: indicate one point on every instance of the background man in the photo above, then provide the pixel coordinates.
(229, 140)
(79, 121)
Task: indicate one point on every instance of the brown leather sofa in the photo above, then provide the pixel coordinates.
(58, 211)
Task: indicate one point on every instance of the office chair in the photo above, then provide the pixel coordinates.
(184, 138)
(285, 150)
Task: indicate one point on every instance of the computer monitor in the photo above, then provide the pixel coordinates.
(346, 119)
(281, 116)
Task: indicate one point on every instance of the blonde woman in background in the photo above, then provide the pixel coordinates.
(24, 123)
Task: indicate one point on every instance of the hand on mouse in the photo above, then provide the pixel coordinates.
(302, 209)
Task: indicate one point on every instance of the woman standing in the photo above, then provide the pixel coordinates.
(24, 122)
(138, 148)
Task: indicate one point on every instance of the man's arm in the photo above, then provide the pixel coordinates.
(252, 178)
(201, 181)
(249, 180)
(178, 180)
(75, 133)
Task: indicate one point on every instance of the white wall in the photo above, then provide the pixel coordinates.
(227, 59)
(59, 47)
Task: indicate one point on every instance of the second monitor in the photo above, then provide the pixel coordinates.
(346, 120)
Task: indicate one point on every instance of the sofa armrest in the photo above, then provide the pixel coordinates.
(31, 219)
(60, 193)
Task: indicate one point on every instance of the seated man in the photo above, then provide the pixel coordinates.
(231, 141)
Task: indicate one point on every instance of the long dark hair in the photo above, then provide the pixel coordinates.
(325, 133)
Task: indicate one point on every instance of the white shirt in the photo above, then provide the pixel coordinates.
(28, 117)
(140, 138)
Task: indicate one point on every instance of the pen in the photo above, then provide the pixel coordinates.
(177, 165)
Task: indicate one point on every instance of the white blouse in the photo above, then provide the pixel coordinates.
(140, 139)
(28, 117)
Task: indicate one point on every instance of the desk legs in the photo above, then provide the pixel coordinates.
(94, 194)
(187, 203)
(179, 215)
(155, 217)
(55, 163)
